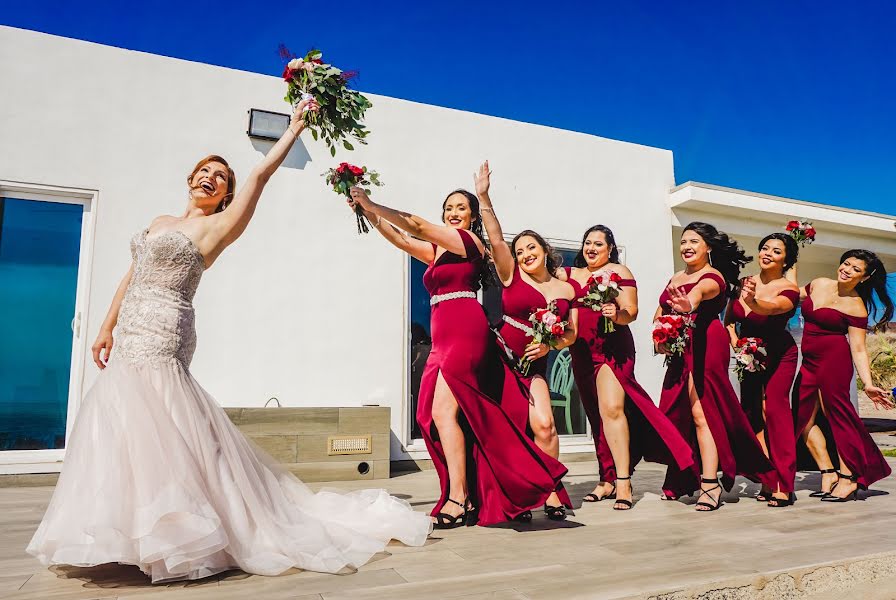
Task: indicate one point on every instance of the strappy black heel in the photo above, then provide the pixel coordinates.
(446, 521)
(555, 513)
(822, 493)
(592, 497)
(709, 507)
(763, 496)
(627, 504)
(782, 502)
(853, 496)
(472, 513)
(524, 517)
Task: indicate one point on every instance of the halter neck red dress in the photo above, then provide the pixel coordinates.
(507, 473)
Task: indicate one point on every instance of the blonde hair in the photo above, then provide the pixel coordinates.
(231, 179)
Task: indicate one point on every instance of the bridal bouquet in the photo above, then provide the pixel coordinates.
(801, 231)
(341, 109)
(672, 333)
(546, 329)
(603, 287)
(344, 177)
(750, 355)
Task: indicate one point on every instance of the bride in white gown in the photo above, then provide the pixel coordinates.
(155, 474)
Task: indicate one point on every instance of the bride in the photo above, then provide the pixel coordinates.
(155, 474)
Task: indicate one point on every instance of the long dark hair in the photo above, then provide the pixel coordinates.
(727, 256)
(875, 284)
(611, 242)
(553, 260)
(791, 249)
(488, 276)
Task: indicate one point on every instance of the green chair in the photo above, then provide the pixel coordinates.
(560, 385)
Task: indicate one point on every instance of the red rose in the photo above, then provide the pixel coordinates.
(791, 225)
(810, 233)
(615, 277)
(557, 329)
(317, 61)
(287, 73)
(540, 313)
(741, 343)
(660, 336)
(356, 171)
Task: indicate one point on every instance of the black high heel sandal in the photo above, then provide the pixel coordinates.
(446, 521)
(592, 497)
(472, 514)
(763, 496)
(718, 503)
(854, 495)
(524, 517)
(628, 504)
(555, 513)
(822, 493)
(782, 502)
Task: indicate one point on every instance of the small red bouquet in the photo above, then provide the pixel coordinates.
(750, 356)
(546, 329)
(672, 333)
(801, 231)
(603, 287)
(344, 177)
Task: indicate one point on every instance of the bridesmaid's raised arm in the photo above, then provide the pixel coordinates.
(503, 258)
(231, 223)
(440, 235)
(422, 251)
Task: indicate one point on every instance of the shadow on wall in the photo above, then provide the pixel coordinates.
(297, 158)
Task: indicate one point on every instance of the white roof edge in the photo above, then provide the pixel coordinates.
(720, 188)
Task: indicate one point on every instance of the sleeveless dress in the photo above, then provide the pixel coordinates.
(518, 301)
(776, 380)
(157, 476)
(507, 474)
(651, 435)
(707, 358)
(827, 368)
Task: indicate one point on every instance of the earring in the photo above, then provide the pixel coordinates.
(545, 260)
(709, 255)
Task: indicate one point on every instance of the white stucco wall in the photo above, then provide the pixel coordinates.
(301, 307)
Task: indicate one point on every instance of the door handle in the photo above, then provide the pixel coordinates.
(76, 325)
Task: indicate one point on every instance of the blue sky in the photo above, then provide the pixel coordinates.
(789, 98)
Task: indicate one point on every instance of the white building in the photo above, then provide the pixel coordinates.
(97, 141)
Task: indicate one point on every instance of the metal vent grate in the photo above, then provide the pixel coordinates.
(349, 444)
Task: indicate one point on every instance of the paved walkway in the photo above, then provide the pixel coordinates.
(598, 553)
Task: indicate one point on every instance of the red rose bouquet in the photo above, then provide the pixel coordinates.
(344, 177)
(603, 287)
(341, 109)
(801, 231)
(672, 333)
(750, 356)
(546, 329)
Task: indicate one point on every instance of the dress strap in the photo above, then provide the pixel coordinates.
(853, 321)
(628, 283)
(472, 251)
(719, 281)
(792, 295)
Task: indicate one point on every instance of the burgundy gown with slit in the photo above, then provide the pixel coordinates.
(507, 474)
(773, 385)
(518, 301)
(651, 435)
(706, 358)
(827, 371)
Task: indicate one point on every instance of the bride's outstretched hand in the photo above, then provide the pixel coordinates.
(307, 105)
(360, 198)
(482, 179)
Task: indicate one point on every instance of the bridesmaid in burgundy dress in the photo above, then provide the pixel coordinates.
(697, 394)
(489, 470)
(625, 422)
(526, 270)
(836, 316)
(766, 302)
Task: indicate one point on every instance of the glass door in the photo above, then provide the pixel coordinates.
(40, 255)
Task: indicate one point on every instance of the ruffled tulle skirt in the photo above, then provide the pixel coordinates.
(157, 476)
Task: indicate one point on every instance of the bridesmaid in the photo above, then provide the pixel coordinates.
(526, 269)
(508, 474)
(766, 303)
(836, 316)
(697, 394)
(625, 422)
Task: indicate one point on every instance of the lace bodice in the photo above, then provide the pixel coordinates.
(156, 319)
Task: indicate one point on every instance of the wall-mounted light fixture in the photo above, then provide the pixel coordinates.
(267, 125)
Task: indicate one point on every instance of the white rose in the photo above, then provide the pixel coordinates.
(549, 318)
(602, 287)
(295, 64)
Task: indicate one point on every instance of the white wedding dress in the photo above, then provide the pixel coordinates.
(157, 476)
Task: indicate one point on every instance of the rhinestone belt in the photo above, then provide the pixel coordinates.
(519, 325)
(450, 296)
